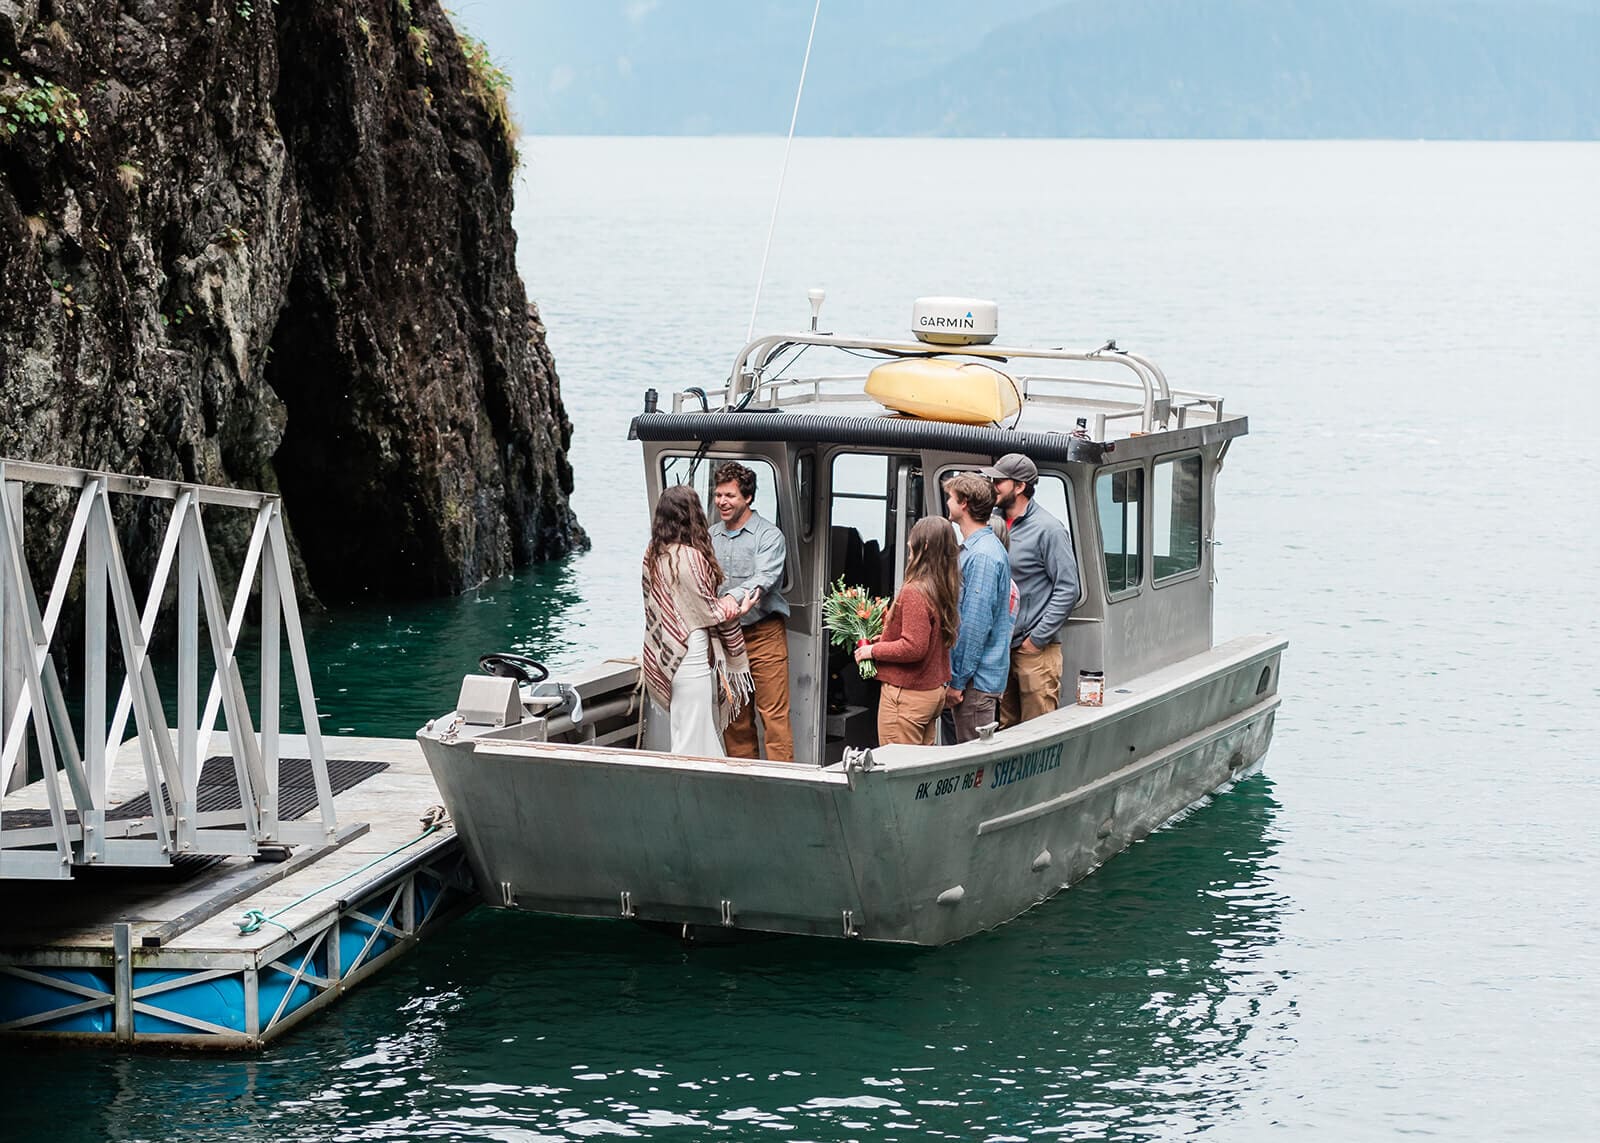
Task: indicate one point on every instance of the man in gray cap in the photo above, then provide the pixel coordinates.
(1045, 571)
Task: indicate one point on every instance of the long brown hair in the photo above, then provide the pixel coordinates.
(680, 519)
(934, 568)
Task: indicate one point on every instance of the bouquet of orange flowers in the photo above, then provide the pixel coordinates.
(853, 618)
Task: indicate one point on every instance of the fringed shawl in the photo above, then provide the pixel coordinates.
(678, 600)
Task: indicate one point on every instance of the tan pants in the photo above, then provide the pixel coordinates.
(1034, 687)
(909, 717)
(767, 644)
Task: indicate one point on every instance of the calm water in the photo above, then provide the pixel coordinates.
(1393, 931)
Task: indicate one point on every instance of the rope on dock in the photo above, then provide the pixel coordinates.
(434, 819)
(255, 918)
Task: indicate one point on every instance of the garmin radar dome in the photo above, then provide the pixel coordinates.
(955, 321)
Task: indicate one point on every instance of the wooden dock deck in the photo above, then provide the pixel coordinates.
(157, 956)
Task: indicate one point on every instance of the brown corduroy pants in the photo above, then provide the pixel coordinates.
(767, 644)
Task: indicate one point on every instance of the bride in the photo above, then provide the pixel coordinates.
(694, 661)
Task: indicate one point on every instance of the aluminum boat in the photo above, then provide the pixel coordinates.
(566, 797)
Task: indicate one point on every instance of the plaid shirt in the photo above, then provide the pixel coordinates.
(982, 654)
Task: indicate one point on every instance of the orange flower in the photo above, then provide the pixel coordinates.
(861, 613)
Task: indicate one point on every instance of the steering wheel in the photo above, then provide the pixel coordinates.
(519, 667)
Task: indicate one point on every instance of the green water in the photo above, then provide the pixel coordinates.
(1136, 998)
(1106, 1007)
(384, 670)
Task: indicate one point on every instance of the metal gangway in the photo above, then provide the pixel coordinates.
(82, 828)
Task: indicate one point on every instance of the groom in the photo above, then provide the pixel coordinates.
(752, 553)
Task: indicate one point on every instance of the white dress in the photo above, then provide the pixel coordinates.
(694, 702)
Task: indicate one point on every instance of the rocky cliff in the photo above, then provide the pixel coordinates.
(269, 245)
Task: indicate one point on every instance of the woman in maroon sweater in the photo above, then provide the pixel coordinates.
(913, 653)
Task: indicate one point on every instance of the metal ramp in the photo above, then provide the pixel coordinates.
(82, 829)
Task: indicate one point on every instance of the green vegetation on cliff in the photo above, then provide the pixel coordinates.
(270, 245)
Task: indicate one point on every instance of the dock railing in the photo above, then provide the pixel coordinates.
(82, 828)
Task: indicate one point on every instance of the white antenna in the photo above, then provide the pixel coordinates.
(773, 225)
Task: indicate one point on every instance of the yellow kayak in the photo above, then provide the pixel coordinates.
(937, 389)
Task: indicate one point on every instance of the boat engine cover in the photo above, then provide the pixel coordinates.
(489, 700)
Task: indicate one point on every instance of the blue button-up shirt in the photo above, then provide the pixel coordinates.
(982, 654)
(752, 556)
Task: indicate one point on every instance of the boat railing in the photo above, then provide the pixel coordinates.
(757, 368)
(1104, 398)
(1183, 405)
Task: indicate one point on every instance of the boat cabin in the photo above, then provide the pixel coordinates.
(851, 439)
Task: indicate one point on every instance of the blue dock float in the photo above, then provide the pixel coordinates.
(235, 951)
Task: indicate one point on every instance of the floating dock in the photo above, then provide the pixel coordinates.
(204, 880)
(156, 956)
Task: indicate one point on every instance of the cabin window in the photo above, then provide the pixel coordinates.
(805, 485)
(865, 535)
(1050, 493)
(1175, 516)
(1119, 497)
(861, 496)
(675, 470)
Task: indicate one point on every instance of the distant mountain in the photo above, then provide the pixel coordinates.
(676, 67)
(1441, 69)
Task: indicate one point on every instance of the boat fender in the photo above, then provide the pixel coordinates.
(952, 895)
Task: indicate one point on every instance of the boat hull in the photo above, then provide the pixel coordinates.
(921, 845)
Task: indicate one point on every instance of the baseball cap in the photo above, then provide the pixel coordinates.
(1012, 466)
